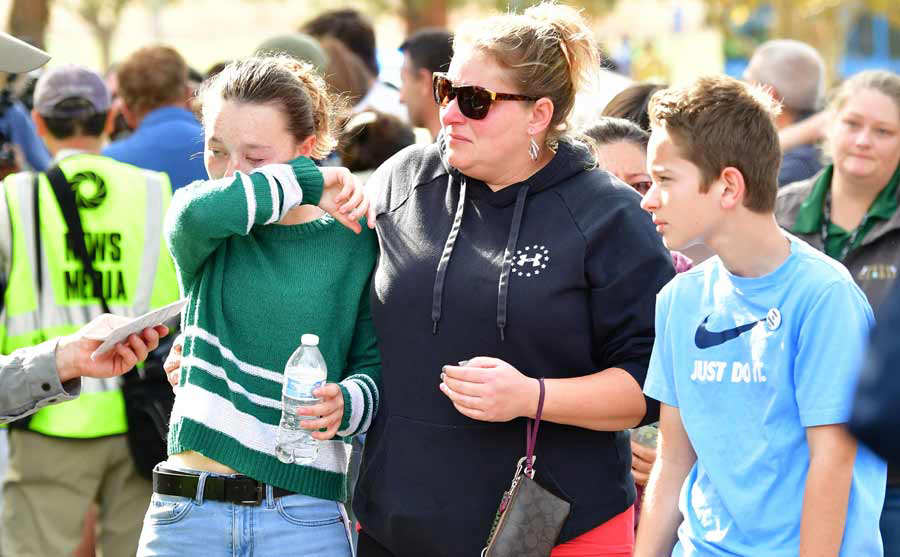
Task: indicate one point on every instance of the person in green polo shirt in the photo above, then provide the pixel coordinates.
(849, 210)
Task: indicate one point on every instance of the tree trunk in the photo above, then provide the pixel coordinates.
(424, 13)
(104, 37)
(28, 20)
(826, 30)
(102, 16)
(830, 39)
(718, 16)
(785, 19)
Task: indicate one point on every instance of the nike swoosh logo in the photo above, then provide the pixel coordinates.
(707, 339)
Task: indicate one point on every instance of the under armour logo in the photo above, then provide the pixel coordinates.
(535, 259)
(531, 261)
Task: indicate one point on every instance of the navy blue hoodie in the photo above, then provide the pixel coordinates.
(575, 295)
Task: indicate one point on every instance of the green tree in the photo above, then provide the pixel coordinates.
(28, 19)
(821, 23)
(102, 17)
(424, 13)
(594, 8)
(428, 13)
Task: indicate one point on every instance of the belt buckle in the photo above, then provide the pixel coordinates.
(260, 495)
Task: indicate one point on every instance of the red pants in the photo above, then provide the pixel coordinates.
(613, 538)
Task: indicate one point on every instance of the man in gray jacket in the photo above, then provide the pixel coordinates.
(51, 372)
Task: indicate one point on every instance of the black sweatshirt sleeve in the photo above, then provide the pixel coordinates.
(626, 266)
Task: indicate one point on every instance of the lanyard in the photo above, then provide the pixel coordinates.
(854, 235)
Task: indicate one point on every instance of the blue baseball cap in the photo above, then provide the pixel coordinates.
(70, 91)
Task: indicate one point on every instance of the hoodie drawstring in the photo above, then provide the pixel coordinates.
(503, 285)
(438, 291)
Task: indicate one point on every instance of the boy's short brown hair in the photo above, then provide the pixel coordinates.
(152, 77)
(717, 122)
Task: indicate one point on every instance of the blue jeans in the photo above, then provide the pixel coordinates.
(890, 522)
(289, 525)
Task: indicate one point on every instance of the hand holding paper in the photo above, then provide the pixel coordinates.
(75, 353)
(113, 329)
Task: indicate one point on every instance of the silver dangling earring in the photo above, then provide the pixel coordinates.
(533, 149)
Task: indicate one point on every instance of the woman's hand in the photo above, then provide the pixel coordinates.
(343, 197)
(329, 409)
(172, 365)
(490, 390)
(642, 459)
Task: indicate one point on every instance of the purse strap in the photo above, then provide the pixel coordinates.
(531, 432)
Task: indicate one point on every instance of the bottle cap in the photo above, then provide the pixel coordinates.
(310, 339)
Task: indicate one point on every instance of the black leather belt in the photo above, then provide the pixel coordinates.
(235, 489)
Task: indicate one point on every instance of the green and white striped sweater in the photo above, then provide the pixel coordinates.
(254, 288)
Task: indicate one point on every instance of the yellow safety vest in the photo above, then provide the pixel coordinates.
(121, 209)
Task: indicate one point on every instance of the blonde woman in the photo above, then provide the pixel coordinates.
(506, 256)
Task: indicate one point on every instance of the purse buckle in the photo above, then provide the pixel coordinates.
(524, 467)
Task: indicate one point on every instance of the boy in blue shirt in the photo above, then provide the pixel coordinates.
(756, 351)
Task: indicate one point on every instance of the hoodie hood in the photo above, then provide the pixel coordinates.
(569, 160)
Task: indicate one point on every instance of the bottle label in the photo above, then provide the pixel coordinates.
(297, 388)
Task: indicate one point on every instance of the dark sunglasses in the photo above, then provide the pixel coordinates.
(474, 102)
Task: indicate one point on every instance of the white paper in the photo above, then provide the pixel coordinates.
(118, 334)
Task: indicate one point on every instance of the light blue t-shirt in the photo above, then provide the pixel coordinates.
(750, 363)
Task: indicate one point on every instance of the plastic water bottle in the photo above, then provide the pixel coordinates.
(305, 372)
